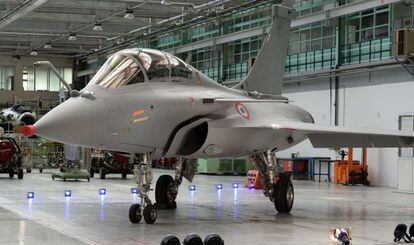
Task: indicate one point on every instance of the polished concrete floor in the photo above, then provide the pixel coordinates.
(240, 216)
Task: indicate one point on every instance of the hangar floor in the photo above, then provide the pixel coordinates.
(240, 216)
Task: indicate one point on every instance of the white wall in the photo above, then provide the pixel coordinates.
(373, 100)
(27, 61)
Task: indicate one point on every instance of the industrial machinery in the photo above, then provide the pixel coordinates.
(10, 157)
(17, 115)
(110, 163)
(350, 172)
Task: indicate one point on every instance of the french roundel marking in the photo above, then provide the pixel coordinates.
(242, 110)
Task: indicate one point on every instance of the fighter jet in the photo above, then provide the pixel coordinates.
(149, 104)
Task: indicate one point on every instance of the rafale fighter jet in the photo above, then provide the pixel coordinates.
(148, 104)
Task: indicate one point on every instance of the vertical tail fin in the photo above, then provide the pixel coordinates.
(266, 75)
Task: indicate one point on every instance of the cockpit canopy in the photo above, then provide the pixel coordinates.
(133, 66)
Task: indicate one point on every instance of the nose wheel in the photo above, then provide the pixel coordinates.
(136, 213)
(143, 177)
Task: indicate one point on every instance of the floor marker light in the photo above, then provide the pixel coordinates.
(30, 195)
(68, 193)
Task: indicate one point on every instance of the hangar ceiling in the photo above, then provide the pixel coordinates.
(66, 27)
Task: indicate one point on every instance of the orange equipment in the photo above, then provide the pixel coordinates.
(253, 180)
(350, 172)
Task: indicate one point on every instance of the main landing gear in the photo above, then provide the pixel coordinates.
(166, 191)
(277, 186)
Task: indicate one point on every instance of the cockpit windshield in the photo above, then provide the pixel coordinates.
(140, 65)
(117, 72)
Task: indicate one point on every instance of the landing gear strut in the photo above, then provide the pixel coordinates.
(166, 189)
(277, 186)
(143, 177)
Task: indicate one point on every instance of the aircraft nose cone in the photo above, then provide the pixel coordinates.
(29, 130)
(69, 123)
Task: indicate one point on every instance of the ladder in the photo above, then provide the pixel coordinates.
(407, 62)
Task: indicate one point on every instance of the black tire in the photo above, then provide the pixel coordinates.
(165, 193)
(40, 170)
(193, 239)
(11, 174)
(64, 179)
(102, 173)
(124, 175)
(170, 240)
(20, 173)
(150, 214)
(213, 239)
(28, 170)
(89, 179)
(284, 194)
(53, 178)
(91, 172)
(135, 213)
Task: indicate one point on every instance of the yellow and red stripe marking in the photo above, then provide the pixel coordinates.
(138, 113)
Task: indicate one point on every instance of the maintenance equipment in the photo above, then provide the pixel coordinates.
(10, 157)
(72, 169)
(109, 163)
(350, 172)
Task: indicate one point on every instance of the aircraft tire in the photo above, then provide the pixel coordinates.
(124, 175)
(135, 213)
(170, 240)
(213, 239)
(193, 239)
(165, 193)
(284, 194)
(150, 214)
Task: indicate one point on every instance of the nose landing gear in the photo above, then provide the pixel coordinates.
(143, 177)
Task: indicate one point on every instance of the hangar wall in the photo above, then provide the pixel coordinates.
(372, 100)
(7, 96)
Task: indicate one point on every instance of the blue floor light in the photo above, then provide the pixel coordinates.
(134, 191)
(30, 195)
(235, 185)
(102, 192)
(219, 186)
(192, 187)
(68, 193)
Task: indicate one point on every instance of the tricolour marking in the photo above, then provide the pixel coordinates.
(242, 110)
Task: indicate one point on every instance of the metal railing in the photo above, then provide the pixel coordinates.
(372, 50)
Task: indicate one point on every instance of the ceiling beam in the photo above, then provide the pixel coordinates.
(21, 10)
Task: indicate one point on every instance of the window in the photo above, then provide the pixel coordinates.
(41, 79)
(6, 78)
(206, 60)
(368, 25)
(406, 123)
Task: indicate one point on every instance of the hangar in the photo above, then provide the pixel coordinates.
(184, 113)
